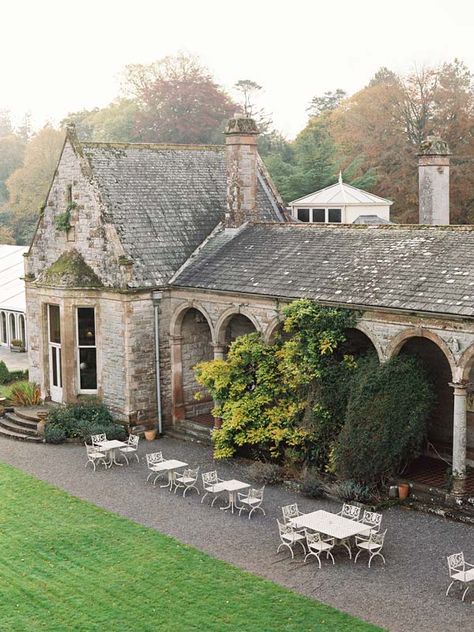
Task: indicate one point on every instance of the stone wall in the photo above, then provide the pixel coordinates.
(196, 347)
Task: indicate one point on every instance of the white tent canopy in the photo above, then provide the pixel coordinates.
(12, 286)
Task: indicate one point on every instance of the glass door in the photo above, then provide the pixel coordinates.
(54, 344)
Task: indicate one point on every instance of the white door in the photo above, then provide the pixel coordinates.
(55, 367)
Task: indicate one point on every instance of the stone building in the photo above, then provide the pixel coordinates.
(12, 296)
(162, 255)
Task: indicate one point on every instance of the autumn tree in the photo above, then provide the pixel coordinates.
(178, 101)
(28, 185)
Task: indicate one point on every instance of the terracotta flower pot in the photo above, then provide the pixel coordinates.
(403, 490)
(150, 435)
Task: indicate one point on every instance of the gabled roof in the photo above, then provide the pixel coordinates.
(12, 286)
(341, 194)
(164, 200)
(414, 268)
(371, 219)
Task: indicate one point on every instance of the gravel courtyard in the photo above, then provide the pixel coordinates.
(407, 595)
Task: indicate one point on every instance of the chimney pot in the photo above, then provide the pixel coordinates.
(433, 174)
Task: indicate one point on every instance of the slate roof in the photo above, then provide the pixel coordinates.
(164, 200)
(342, 194)
(422, 269)
(371, 219)
(12, 286)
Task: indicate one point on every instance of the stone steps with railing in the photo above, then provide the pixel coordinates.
(21, 424)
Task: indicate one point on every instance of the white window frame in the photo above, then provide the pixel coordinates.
(326, 210)
(86, 391)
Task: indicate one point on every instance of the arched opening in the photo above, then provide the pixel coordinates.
(234, 326)
(357, 344)
(12, 327)
(21, 321)
(3, 328)
(440, 429)
(196, 346)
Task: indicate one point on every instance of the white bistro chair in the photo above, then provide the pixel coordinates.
(460, 571)
(209, 480)
(373, 545)
(373, 521)
(152, 460)
(352, 512)
(251, 500)
(94, 455)
(98, 438)
(187, 479)
(289, 537)
(290, 511)
(131, 447)
(316, 545)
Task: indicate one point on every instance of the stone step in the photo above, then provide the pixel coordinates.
(189, 431)
(18, 436)
(9, 424)
(30, 413)
(21, 421)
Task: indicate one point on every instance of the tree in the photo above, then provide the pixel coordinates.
(327, 103)
(12, 149)
(28, 185)
(115, 123)
(178, 101)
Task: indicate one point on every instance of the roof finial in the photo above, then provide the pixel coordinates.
(340, 177)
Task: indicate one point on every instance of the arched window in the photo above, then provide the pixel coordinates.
(12, 327)
(21, 321)
(3, 328)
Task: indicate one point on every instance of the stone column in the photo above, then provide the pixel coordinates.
(177, 409)
(68, 352)
(219, 351)
(459, 438)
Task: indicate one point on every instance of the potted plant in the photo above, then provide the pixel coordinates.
(403, 490)
(17, 346)
(150, 433)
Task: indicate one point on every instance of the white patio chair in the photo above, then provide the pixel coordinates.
(152, 459)
(187, 479)
(317, 545)
(94, 455)
(460, 571)
(372, 520)
(98, 438)
(131, 447)
(209, 480)
(352, 512)
(289, 537)
(290, 511)
(373, 545)
(251, 500)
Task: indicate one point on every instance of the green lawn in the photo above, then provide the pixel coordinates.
(68, 565)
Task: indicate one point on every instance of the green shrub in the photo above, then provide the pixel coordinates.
(54, 434)
(265, 473)
(25, 394)
(85, 419)
(16, 376)
(351, 491)
(4, 373)
(386, 419)
(312, 485)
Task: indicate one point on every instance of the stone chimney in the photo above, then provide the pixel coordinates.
(433, 173)
(241, 164)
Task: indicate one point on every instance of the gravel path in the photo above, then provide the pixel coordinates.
(407, 595)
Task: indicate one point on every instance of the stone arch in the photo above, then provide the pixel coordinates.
(247, 320)
(364, 328)
(273, 328)
(191, 342)
(358, 343)
(3, 328)
(439, 364)
(466, 363)
(12, 327)
(397, 342)
(22, 328)
(180, 312)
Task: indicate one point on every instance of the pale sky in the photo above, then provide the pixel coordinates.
(58, 56)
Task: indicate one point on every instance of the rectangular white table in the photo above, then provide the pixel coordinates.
(170, 466)
(232, 486)
(110, 447)
(330, 524)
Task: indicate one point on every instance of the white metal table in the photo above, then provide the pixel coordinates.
(232, 486)
(110, 447)
(169, 466)
(330, 524)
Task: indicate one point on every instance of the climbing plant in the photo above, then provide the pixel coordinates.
(62, 221)
(278, 399)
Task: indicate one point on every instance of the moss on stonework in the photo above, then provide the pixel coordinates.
(70, 270)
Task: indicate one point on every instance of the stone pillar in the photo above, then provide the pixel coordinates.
(433, 172)
(219, 351)
(241, 167)
(68, 352)
(177, 409)
(459, 438)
